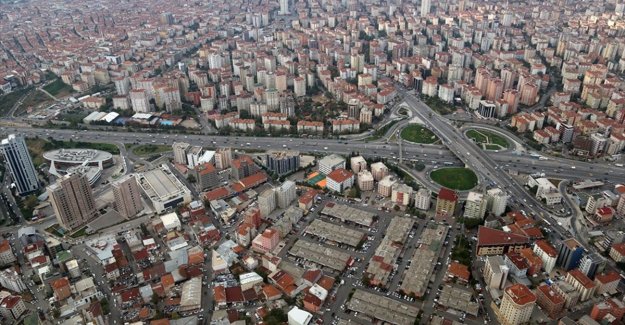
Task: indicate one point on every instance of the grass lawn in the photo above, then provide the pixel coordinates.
(456, 178)
(418, 134)
(379, 133)
(492, 140)
(476, 136)
(149, 149)
(79, 233)
(55, 229)
(59, 89)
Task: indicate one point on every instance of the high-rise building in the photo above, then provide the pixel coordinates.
(379, 170)
(547, 254)
(284, 7)
(497, 201)
(206, 176)
(282, 162)
(365, 180)
(180, 152)
(272, 98)
(425, 7)
(357, 164)
(267, 202)
(20, 164)
(122, 86)
(592, 264)
(127, 196)
(446, 203)
(167, 18)
(570, 253)
(549, 300)
(495, 272)
(582, 284)
(475, 206)
(299, 86)
(353, 109)
(140, 101)
(72, 200)
(242, 167)
(401, 194)
(422, 199)
(517, 305)
(286, 194)
(223, 158)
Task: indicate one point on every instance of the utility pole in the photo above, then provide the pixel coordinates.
(401, 160)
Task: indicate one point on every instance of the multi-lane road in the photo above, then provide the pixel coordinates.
(429, 154)
(456, 149)
(487, 168)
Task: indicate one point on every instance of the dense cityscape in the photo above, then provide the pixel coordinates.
(312, 162)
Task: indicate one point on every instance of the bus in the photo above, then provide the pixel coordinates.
(448, 163)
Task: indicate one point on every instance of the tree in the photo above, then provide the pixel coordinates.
(191, 179)
(276, 316)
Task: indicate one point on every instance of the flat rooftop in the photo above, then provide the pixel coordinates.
(161, 185)
(433, 235)
(347, 213)
(77, 156)
(383, 308)
(417, 276)
(335, 233)
(316, 253)
(459, 299)
(389, 249)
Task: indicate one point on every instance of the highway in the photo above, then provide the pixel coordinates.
(431, 155)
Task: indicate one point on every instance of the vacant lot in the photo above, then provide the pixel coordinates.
(59, 89)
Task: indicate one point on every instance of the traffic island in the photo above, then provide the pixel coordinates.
(416, 133)
(456, 178)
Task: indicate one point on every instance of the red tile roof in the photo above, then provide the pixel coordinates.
(546, 247)
(580, 277)
(460, 271)
(216, 194)
(620, 248)
(520, 294)
(5, 246)
(10, 301)
(234, 294)
(493, 237)
(340, 175)
(205, 168)
(59, 283)
(253, 180)
(447, 195)
(553, 297)
(219, 294)
(608, 277)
